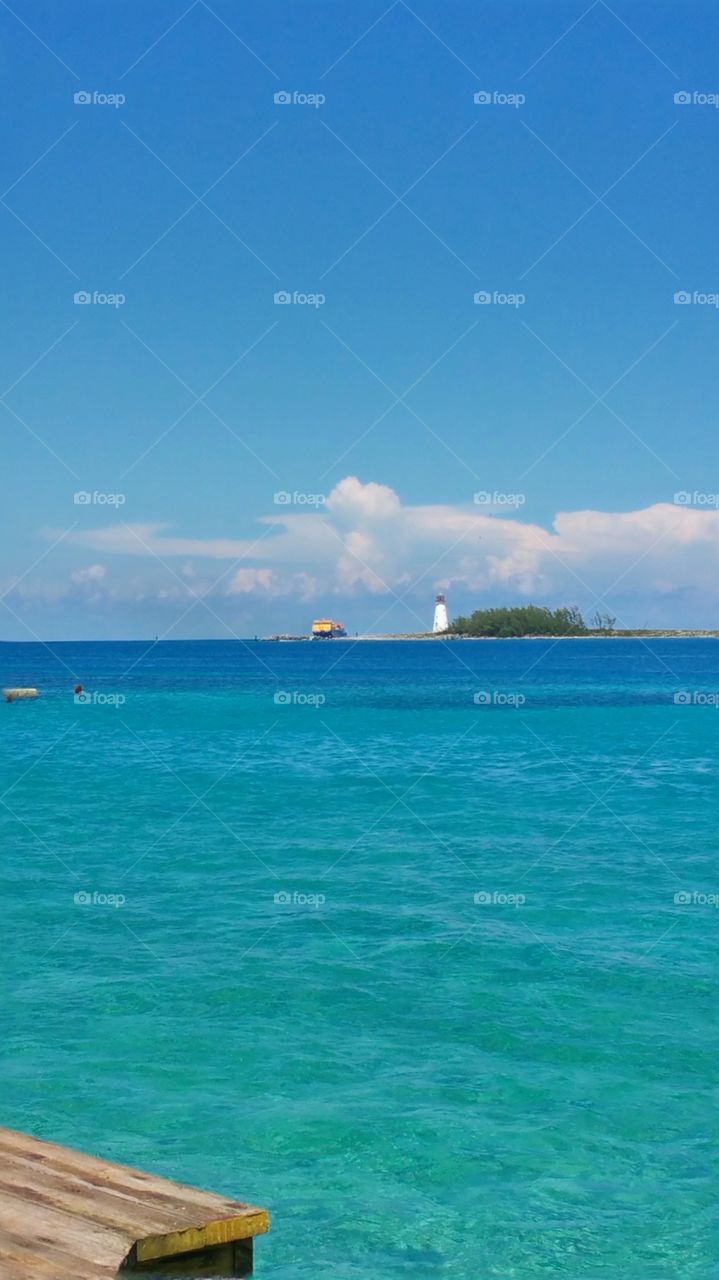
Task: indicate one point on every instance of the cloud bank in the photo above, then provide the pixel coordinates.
(364, 541)
(367, 557)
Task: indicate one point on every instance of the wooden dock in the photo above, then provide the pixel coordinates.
(68, 1216)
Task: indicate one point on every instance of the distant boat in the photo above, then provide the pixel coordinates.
(327, 629)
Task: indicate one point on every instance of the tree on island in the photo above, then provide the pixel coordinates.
(602, 622)
(526, 620)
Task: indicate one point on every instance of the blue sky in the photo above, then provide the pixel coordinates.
(395, 200)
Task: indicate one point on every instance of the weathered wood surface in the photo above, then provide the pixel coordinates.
(68, 1216)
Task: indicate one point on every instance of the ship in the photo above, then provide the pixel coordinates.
(327, 629)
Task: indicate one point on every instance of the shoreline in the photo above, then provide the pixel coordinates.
(614, 635)
(659, 634)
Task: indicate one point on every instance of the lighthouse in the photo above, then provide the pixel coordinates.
(441, 621)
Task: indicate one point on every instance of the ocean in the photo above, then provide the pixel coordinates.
(414, 944)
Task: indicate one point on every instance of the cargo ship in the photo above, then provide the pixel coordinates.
(327, 629)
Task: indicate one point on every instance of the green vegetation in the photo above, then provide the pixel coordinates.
(529, 620)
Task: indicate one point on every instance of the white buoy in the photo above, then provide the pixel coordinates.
(12, 695)
(441, 621)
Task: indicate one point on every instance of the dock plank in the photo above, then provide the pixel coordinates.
(64, 1213)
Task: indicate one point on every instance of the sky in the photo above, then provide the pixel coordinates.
(316, 309)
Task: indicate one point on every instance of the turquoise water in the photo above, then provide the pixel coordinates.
(414, 1083)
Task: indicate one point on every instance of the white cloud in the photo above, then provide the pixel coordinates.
(152, 539)
(365, 542)
(244, 581)
(92, 576)
(351, 502)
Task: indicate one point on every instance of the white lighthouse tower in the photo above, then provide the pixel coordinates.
(441, 621)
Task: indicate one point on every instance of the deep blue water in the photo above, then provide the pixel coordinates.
(415, 1083)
